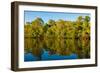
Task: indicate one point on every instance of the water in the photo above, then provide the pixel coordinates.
(47, 56)
(55, 49)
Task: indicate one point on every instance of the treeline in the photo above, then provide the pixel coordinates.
(58, 29)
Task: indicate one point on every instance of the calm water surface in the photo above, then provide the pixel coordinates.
(55, 49)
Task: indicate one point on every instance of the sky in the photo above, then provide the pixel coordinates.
(29, 16)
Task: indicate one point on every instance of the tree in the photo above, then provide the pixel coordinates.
(87, 18)
(37, 27)
(51, 22)
(60, 37)
(27, 30)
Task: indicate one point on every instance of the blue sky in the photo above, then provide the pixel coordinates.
(31, 15)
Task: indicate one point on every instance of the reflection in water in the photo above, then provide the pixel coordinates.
(56, 49)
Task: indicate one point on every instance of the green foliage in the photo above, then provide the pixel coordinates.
(51, 22)
(62, 31)
(87, 18)
(58, 29)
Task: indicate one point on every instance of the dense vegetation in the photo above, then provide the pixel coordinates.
(62, 37)
(58, 29)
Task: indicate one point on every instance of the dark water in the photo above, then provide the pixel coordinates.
(37, 49)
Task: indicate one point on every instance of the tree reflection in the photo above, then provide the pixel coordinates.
(60, 46)
(59, 37)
